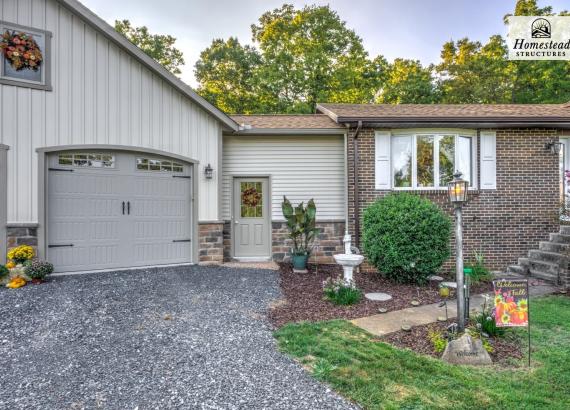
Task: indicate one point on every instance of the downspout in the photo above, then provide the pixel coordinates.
(356, 187)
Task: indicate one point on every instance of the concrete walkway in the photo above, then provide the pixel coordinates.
(390, 322)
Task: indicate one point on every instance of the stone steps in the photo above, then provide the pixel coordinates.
(548, 261)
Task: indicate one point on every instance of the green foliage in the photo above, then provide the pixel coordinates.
(369, 372)
(341, 293)
(37, 269)
(408, 83)
(302, 56)
(159, 47)
(437, 340)
(479, 271)
(3, 271)
(305, 55)
(226, 73)
(406, 237)
(301, 222)
(485, 322)
(323, 368)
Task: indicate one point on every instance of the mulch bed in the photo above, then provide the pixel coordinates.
(304, 299)
(504, 348)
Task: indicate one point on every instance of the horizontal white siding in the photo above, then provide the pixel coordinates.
(101, 95)
(300, 167)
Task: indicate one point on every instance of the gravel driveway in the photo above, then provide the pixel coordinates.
(186, 337)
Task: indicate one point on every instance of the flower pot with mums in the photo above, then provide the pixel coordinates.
(21, 254)
(301, 223)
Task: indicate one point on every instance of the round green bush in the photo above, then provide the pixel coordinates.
(3, 271)
(406, 237)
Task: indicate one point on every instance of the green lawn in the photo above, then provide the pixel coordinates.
(378, 376)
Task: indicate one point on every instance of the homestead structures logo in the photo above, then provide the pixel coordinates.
(541, 28)
(539, 38)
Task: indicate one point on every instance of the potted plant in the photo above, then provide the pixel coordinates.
(302, 230)
(37, 270)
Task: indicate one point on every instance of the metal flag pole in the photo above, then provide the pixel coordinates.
(528, 319)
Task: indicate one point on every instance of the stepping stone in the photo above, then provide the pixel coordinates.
(382, 310)
(449, 284)
(378, 297)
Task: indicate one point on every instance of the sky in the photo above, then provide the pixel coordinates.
(413, 29)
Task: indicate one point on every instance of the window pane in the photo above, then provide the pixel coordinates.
(425, 145)
(402, 161)
(251, 199)
(464, 151)
(446, 159)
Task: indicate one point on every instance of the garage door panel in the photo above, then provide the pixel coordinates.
(85, 208)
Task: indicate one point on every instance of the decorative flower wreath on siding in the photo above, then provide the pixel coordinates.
(21, 50)
(250, 197)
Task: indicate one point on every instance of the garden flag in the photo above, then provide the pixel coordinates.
(511, 302)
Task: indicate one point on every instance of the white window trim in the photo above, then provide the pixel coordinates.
(436, 133)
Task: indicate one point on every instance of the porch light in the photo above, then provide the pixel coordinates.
(458, 197)
(553, 146)
(457, 190)
(209, 172)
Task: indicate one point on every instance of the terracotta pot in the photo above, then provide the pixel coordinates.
(37, 281)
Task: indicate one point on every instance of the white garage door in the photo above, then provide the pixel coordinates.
(117, 210)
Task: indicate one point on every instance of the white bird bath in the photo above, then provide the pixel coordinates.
(348, 260)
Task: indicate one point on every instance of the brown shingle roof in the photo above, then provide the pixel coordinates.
(285, 121)
(457, 112)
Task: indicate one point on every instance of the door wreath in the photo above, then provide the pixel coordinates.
(250, 197)
(21, 50)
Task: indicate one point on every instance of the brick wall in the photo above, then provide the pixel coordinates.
(503, 223)
(211, 243)
(328, 243)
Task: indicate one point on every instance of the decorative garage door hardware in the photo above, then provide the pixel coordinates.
(128, 207)
(60, 169)
(69, 245)
(182, 240)
(181, 176)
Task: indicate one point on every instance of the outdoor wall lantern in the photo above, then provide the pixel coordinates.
(457, 190)
(209, 172)
(553, 146)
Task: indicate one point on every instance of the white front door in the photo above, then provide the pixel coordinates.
(251, 219)
(111, 210)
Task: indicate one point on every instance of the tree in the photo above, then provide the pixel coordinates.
(159, 47)
(309, 56)
(226, 73)
(299, 57)
(408, 83)
(472, 73)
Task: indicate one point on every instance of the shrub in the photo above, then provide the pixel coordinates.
(437, 340)
(479, 271)
(4, 271)
(341, 293)
(406, 237)
(37, 269)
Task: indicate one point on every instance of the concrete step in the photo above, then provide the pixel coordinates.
(543, 266)
(517, 270)
(559, 238)
(548, 277)
(565, 229)
(546, 256)
(554, 247)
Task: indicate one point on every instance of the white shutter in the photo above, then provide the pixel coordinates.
(488, 160)
(382, 159)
